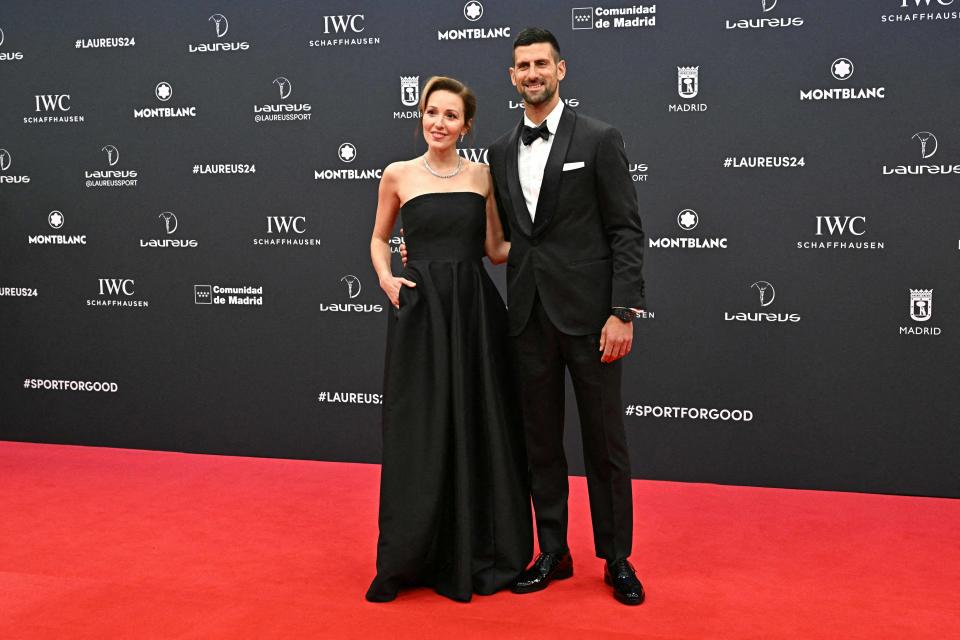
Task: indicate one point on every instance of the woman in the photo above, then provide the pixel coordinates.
(454, 500)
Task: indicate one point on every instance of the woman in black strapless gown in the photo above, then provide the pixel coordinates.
(454, 496)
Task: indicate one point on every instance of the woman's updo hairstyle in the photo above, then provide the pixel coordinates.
(443, 83)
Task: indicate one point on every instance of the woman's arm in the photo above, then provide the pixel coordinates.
(495, 246)
(388, 206)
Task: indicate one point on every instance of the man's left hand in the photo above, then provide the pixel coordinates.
(616, 339)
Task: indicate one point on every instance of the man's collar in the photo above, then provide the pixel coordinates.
(553, 118)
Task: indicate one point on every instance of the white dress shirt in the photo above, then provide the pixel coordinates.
(532, 158)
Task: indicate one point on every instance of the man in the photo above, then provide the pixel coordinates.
(574, 283)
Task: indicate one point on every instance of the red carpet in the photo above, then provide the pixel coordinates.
(108, 543)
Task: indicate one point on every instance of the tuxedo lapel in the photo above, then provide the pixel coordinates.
(553, 172)
(518, 204)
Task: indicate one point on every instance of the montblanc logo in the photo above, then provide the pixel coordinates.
(349, 30)
(628, 17)
(221, 26)
(921, 310)
(351, 287)
(688, 220)
(921, 11)
(928, 145)
(169, 223)
(842, 70)
(409, 97)
(473, 11)
(764, 294)
(347, 153)
(688, 86)
(110, 177)
(842, 233)
(765, 22)
(55, 108)
(56, 221)
(240, 296)
(287, 231)
(283, 111)
(163, 91)
(8, 56)
(117, 292)
(6, 161)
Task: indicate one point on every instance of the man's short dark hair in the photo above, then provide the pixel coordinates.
(533, 35)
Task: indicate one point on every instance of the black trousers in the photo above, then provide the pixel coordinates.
(542, 353)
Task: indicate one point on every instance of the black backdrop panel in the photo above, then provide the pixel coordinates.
(797, 165)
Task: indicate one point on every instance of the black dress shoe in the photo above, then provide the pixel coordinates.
(626, 587)
(547, 567)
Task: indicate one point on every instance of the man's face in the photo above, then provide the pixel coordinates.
(535, 73)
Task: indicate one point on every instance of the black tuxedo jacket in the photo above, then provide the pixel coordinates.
(584, 252)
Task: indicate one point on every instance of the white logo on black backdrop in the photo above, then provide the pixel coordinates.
(921, 310)
(117, 292)
(347, 153)
(473, 11)
(638, 172)
(688, 220)
(409, 97)
(18, 292)
(628, 17)
(214, 294)
(56, 221)
(763, 23)
(110, 177)
(473, 154)
(352, 287)
(573, 103)
(842, 70)
(928, 146)
(287, 231)
(688, 86)
(765, 294)
(221, 27)
(345, 31)
(170, 226)
(840, 227)
(6, 161)
(164, 92)
(55, 108)
(920, 11)
(283, 111)
(8, 56)
(113, 42)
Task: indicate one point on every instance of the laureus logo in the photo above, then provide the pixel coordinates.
(768, 5)
(353, 285)
(767, 292)
(1, 37)
(928, 143)
(169, 221)
(5, 160)
(221, 24)
(285, 87)
(113, 156)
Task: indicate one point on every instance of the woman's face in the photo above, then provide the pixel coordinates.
(443, 120)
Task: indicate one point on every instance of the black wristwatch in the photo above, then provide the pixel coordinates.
(623, 314)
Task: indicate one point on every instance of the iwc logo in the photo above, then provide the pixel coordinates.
(345, 30)
(287, 231)
(915, 11)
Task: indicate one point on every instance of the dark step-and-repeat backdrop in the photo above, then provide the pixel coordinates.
(187, 191)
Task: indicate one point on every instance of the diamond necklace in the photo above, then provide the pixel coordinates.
(440, 175)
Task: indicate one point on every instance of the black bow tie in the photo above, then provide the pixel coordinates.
(530, 134)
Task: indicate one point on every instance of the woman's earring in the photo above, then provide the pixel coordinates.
(462, 136)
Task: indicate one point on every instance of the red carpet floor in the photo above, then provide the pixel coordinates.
(108, 543)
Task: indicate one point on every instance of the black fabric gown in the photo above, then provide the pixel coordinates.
(454, 492)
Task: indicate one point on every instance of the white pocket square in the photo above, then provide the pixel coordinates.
(570, 166)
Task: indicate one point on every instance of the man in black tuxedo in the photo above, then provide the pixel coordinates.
(574, 285)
